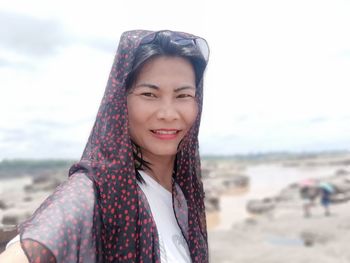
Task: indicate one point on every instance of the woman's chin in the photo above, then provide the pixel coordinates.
(162, 153)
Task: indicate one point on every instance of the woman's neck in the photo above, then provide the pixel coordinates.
(162, 170)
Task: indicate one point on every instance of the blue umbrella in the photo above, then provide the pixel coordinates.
(327, 186)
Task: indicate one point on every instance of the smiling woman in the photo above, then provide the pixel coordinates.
(136, 195)
(162, 108)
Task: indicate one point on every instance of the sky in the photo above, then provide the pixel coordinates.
(277, 80)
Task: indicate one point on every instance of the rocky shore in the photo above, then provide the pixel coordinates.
(276, 230)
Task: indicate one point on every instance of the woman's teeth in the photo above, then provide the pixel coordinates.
(164, 132)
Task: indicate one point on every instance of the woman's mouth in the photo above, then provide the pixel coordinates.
(165, 134)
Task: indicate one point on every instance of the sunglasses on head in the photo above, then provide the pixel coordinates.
(181, 39)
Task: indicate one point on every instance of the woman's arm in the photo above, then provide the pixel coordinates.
(14, 254)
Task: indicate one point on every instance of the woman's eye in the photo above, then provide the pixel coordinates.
(185, 96)
(148, 94)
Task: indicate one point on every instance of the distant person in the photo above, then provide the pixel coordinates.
(326, 190)
(136, 195)
(308, 194)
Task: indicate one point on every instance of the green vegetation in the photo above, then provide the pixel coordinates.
(21, 167)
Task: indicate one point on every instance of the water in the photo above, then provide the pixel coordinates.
(284, 241)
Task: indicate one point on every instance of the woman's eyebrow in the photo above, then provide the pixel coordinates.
(147, 85)
(152, 86)
(184, 88)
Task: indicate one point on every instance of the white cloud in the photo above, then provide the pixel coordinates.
(274, 66)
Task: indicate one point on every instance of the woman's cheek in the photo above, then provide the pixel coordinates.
(191, 113)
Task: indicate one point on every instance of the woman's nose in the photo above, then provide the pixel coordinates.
(168, 111)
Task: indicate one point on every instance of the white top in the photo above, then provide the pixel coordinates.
(172, 244)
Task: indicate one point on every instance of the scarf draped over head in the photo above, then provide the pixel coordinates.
(121, 228)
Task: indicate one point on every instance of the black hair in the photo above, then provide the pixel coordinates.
(162, 45)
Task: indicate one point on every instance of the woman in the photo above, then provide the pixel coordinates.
(136, 195)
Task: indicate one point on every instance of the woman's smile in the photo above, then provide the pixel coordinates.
(166, 134)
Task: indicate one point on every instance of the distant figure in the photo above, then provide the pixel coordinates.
(308, 193)
(326, 191)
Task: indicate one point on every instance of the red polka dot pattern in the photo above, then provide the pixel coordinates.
(107, 218)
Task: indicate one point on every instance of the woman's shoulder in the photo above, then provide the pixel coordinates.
(78, 184)
(75, 196)
(79, 179)
(77, 190)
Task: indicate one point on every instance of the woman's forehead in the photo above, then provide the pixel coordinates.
(166, 69)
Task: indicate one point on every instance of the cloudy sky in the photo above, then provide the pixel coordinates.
(278, 77)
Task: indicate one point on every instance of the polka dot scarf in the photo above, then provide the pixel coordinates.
(122, 227)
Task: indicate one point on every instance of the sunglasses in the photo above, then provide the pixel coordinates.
(181, 39)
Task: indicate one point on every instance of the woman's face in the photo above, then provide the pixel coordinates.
(162, 106)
